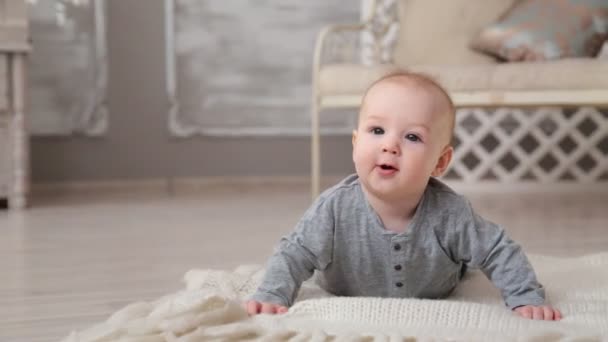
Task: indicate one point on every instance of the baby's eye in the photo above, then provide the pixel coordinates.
(412, 137)
(377, 130)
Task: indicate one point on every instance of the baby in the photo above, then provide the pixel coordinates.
(392, 229)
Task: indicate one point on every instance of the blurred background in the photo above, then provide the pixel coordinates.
(143, 138)
(242, 72)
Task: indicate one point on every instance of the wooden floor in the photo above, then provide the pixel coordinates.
(76, 256)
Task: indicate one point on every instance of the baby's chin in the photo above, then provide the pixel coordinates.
(385, 189)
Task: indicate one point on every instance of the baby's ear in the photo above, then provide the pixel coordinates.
(444, 161)
(354, 137)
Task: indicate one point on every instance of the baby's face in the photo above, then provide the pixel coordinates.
(403, 130)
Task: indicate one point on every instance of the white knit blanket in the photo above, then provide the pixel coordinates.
(209, 309)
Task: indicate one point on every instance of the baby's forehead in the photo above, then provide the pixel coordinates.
(391, 89)
(406, 85)
(440, 104)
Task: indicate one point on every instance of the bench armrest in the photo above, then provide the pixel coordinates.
(338, 44)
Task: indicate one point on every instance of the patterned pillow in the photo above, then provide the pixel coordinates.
(534, 30)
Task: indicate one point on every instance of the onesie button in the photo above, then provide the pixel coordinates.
(397, 267)
(397, 246)
(399, 284)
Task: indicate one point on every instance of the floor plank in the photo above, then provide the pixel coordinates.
(77, 256)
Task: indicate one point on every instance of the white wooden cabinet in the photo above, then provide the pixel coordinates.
(14, 144)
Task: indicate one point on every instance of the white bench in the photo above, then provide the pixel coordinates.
(511, 126)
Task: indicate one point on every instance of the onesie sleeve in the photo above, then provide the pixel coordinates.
(482, 244)
(309, 247)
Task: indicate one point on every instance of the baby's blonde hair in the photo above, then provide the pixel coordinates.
(425, 81)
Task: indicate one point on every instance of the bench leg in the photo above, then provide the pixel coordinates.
(18, 135)
(315, 153)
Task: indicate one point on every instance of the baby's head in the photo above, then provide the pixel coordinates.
(404, 132)
(410, 81)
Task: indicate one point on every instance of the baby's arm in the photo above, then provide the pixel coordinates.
(483, 244)
(296, 257)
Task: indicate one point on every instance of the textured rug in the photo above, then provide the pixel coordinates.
(209, 309)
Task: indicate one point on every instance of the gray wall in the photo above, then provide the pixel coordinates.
(138, 144)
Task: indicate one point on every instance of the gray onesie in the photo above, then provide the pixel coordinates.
(343, 238)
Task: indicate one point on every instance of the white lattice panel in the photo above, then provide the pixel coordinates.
(544, 145)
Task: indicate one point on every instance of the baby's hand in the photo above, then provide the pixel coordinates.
(544, 312)
(254, 307)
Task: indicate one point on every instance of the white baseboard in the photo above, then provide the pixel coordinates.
(189, 184)
(180, 184)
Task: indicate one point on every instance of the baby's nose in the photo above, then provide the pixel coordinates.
(390, 149)
(390, 144)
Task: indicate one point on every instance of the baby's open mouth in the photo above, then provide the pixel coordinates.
(387, 167)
